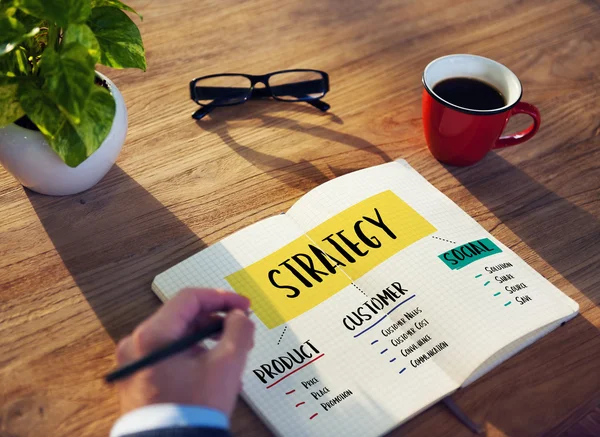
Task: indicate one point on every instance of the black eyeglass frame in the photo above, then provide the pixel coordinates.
(259, 93)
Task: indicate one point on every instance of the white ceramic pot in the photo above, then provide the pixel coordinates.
(28, 157)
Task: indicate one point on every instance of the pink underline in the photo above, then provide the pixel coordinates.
(291, 373)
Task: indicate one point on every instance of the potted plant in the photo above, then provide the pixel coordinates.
(62, 124)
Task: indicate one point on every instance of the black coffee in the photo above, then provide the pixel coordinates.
(470, 93)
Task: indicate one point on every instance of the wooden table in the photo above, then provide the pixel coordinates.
(75, 272)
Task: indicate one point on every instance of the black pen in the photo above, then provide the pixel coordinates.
(165, 352)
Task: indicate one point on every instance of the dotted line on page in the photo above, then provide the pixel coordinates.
(360, 290)
(443, 239)
(284, 329)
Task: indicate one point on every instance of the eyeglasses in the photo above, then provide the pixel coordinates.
(233, 89)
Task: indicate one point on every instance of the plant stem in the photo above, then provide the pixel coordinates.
(35, 66)
(53, 35)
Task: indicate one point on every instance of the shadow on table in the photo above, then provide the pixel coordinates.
(114, 239)
(525, 206)
(548, 383)
(302, 175)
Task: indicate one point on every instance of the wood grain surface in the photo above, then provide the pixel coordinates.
(75, 272)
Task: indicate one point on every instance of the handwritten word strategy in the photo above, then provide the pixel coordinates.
(316, 264)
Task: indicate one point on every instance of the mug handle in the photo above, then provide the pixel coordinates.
(524, 135)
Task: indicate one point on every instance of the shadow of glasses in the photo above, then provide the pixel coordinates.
(302, 175)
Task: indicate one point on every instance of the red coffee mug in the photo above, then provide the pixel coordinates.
(462, 136)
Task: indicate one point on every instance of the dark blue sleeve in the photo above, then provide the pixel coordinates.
(182, 432)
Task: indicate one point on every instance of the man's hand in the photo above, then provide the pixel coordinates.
(209, 378)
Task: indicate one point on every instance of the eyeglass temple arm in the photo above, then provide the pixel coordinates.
(299, 89)
(261, 93)
(202, 112)
(205, 110)
(319, 104)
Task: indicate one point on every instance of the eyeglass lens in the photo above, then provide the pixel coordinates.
(223, 90)
(297, 85)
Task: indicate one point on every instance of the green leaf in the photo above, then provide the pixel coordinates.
(115, 4)
(29, 21)
(82, 34)
(14, 63)
(61, 12)
(69, 77)
(11, 108)
(7, 8)
(97, 119)
(12, 33)
(72, 143)
(119, 38)
(41, 109)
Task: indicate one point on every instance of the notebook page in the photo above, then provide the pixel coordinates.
(306, 376)
(209, 267)
(458, 317)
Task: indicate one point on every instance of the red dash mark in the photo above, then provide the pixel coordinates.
(290, 392)
(301, 403)
(313, 416)
(291, 373)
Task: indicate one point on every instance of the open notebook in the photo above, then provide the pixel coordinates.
(374, 297)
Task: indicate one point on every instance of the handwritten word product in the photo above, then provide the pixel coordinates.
(374, 297)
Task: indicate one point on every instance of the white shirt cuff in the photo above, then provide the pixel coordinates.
(161, 416)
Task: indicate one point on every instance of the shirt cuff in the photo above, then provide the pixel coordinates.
(161, 416)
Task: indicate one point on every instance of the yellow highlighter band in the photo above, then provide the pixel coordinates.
(314, 267)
